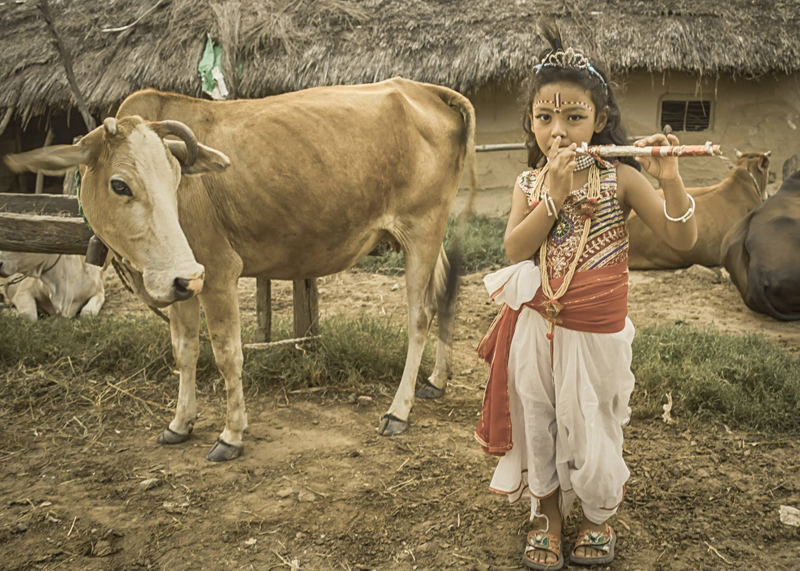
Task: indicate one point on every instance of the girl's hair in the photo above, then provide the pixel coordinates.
(612, 134)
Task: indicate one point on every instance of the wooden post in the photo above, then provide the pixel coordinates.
(263, 331)
(6, 120)
(306, 308)
(65, 57)
(40, 176)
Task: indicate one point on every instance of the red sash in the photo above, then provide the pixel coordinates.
(596, 302)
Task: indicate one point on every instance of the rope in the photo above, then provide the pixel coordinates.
(17, 280)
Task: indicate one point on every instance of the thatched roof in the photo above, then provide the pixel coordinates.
(286, 45)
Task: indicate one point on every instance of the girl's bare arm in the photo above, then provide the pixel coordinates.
(527, 229)
(637, 194)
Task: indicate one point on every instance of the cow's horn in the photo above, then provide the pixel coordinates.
(180, 130)
(110, 125)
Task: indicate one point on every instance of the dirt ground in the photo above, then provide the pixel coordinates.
(318, 489)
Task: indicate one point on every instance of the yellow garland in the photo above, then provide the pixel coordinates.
(552, 307)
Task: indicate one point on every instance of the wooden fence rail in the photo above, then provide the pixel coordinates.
(50, 224)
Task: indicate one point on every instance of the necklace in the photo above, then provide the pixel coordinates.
(587, 207)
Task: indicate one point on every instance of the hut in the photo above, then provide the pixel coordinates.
(727, 72)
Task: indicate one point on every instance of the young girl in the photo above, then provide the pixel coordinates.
(560, 349)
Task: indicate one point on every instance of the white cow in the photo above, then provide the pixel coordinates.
(51, 283)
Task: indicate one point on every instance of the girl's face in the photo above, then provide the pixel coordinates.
(565, 110)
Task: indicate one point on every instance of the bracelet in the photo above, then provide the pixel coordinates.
(685, 218)
(551, 206)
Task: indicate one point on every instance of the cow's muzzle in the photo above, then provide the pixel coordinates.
(184, 289)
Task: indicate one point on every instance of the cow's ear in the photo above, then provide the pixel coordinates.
(56, 159)
(763, 161)
(789, 167)
(208, 160)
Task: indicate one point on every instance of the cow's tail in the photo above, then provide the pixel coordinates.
(455, 99)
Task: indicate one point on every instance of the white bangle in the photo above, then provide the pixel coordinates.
(551, 206)
(689, 213)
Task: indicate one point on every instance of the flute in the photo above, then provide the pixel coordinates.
(707, 150)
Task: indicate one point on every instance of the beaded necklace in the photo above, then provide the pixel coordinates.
(587, 207)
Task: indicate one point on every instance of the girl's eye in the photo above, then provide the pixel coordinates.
(543, 117)
(120, 188)
(576, 117)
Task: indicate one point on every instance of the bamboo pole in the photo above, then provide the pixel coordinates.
(67, 61)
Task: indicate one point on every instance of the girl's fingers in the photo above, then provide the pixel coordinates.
(554, 148)
(673, 140)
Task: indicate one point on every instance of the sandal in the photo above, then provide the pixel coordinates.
(601, 540)
(539, 540)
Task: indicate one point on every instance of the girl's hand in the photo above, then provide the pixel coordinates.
(664, 169)
(562, 167)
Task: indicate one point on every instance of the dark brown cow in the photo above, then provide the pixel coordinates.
(762, 254)
(718, 208)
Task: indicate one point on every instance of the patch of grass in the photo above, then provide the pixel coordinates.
(742, 380)
(353, 351)
(482, 248)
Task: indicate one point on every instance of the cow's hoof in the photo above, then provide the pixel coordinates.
(391, 425)
(222, 451)
(169, 436)
(429, 391)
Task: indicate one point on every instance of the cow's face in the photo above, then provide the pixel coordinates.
(129, 184)
(758, 166)
(24, 263)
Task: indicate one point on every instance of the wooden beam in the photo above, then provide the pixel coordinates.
(48, 204)
(43, 234)
(263, 331)
(306, 308)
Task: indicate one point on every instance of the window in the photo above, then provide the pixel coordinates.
(686, 115)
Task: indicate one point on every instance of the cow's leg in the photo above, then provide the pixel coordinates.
(437, 382)
(221, 306)
(92, 307)
(184, 325)
(420, 263)
(25, 303)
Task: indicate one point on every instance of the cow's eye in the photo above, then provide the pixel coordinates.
(120, 187)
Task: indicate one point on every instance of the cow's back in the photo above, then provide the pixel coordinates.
(324, 171)
(718, 207)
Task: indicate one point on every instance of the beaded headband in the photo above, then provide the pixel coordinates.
(569, 59)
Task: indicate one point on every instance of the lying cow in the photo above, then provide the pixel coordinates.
(718, 208)
(51, 284)
(315, 180)
(761, 254)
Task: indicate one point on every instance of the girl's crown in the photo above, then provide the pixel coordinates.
(569, 59)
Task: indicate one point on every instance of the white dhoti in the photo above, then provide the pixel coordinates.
(566, 415)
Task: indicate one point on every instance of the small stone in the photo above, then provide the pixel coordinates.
(20, 527)
(352, 399)
(364, 400)
(150, 484)
(466, 372)
(250, 542)
(306, 496)
(395, 287)
(102, 548)
(285, 492)
(703, 273)
(300, 535)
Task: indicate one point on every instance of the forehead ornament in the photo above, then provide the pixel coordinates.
(557, 103)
